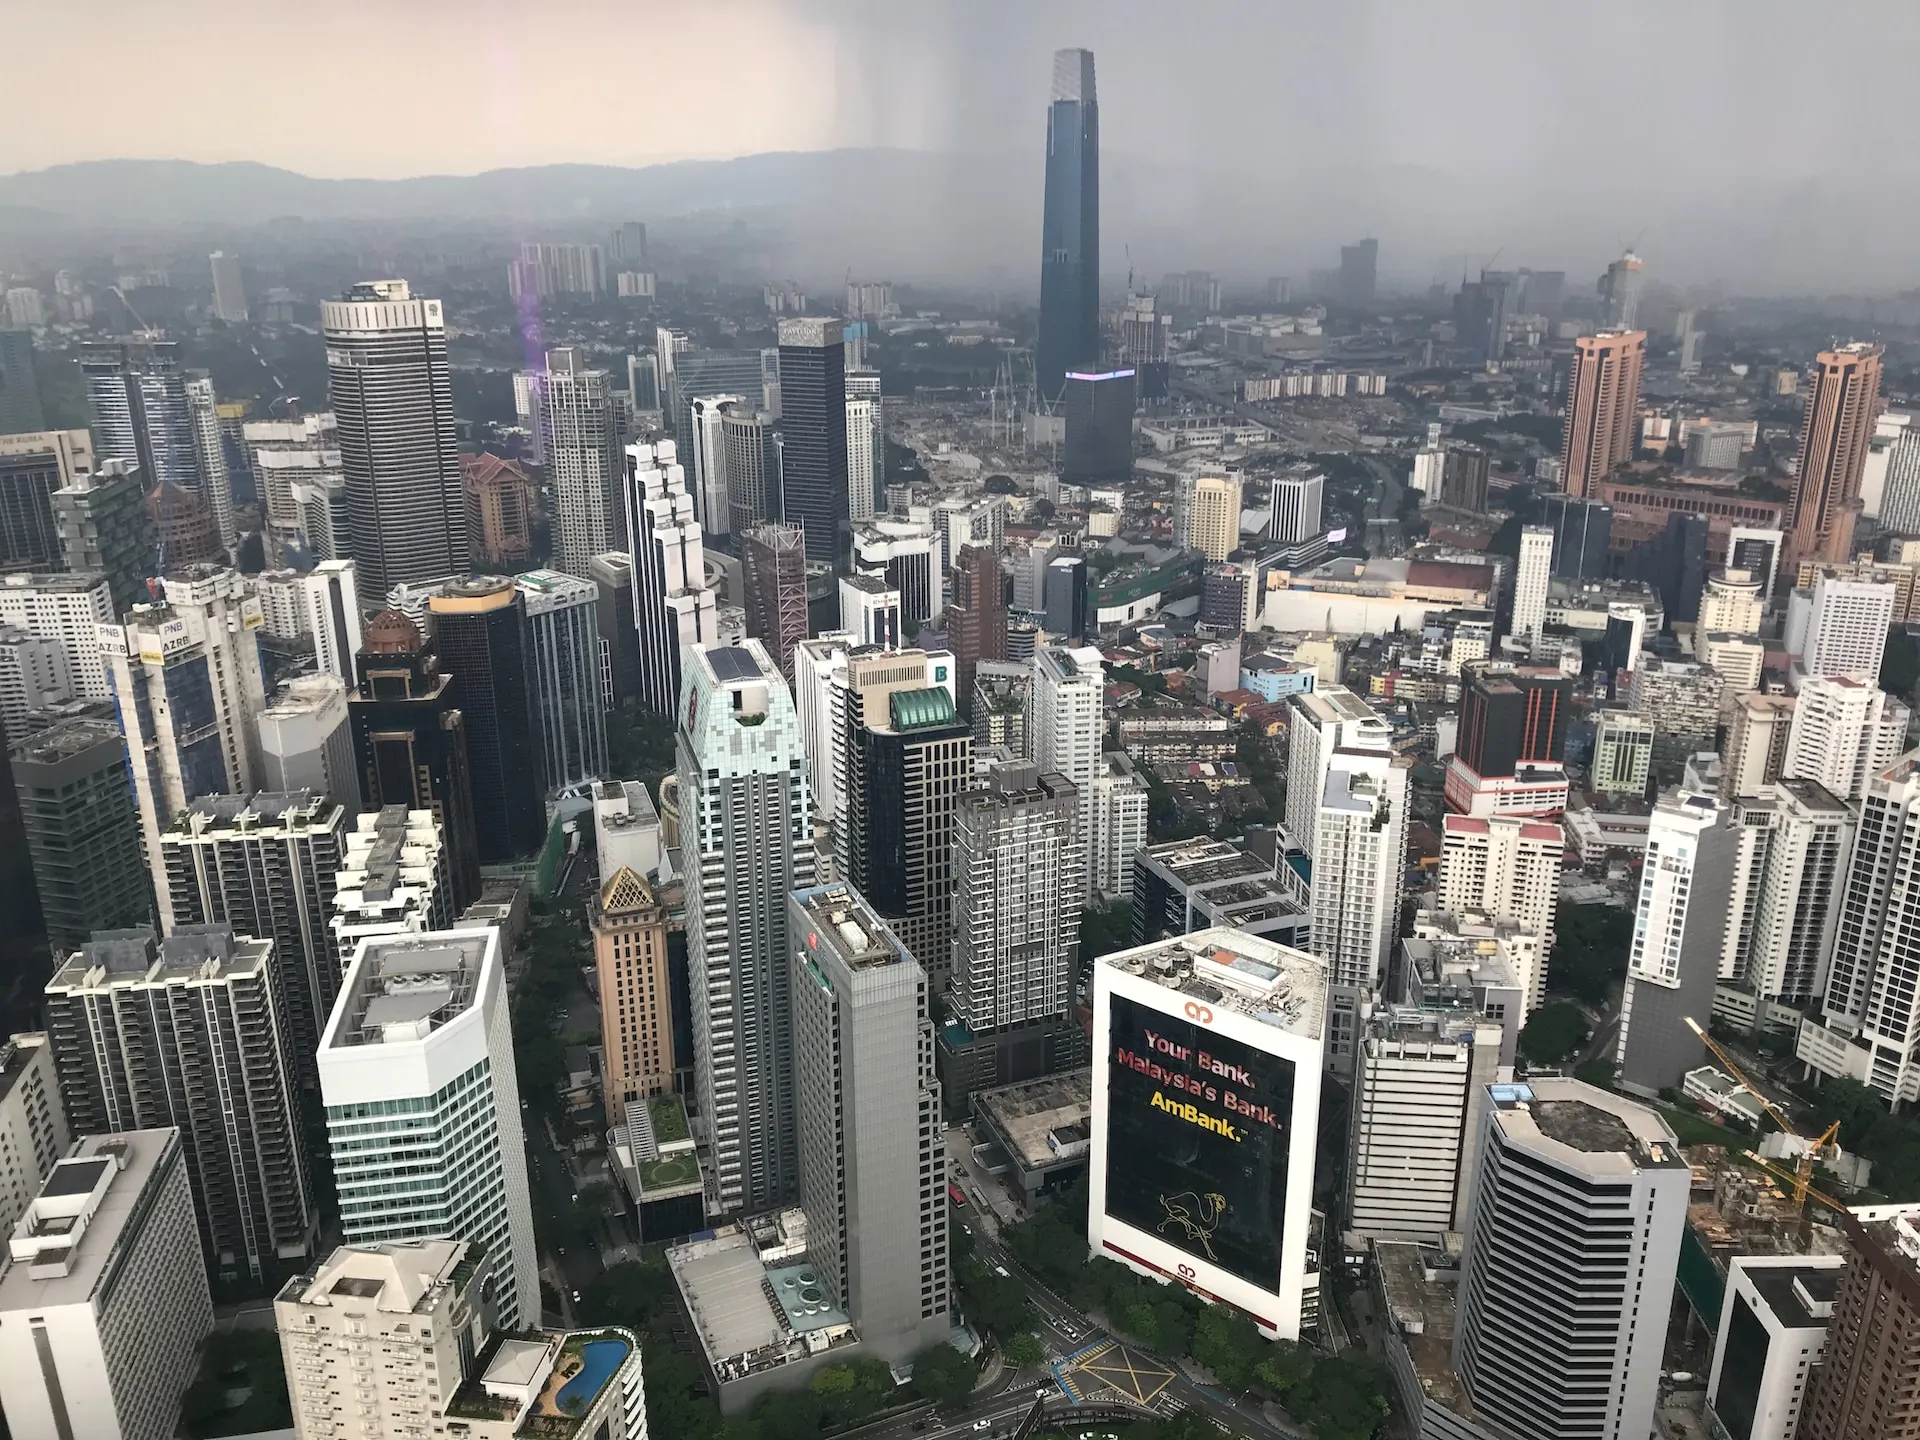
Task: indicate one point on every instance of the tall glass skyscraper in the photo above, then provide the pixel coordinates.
(1070, 227)
(813, 420)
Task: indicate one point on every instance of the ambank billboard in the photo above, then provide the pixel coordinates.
(1198, 1133)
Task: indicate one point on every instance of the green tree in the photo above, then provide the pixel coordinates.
(1139, 1321)
(1103, 930)
(1228, 1344)
(1347, 1399)
(1023, 1349)
(1553, 1033)
(943, 1375)
(1286, 1371)
(1589, 951)
(833, 1380)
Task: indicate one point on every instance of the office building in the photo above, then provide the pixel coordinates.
(1842, 733)
(1571, 1250)
(20, 410)
(636, 1014)
(1320, 723)
(908, 758)
(1530, 583)
(1771, 1337)
(1863, 1387)
(1070, 227)
(306, 740)
(186, 678)
(1358, 264)
(266, 865)
(1511, 717)
(105, 530)
(752, 453)
(1795, 840)
(1419, 1101)
(1836, 430)
(33, 467)
(906, 554)
(1680, 934)
(1507, 868)
(626, 829)
(1463, 479)
(1582, 536)
(1098, 406)
(1360, 841)
(1209, 518)
(1017, 857)
(391, 391)
(137, 399)
(564, 667)
(746, 840)
(1069, 726)
(583, 435)
(215, 490)
(813, 426)
(1185, 885)
(612, 575)
(410, 741)
(184, 531)
(423, 1106)
(1732, 602)
(976, 617)
(105, 1304)
(1480, 313)
(672, 606)
(191, 1032)
(229, 288)
(1206, 1100)
(500, 498)
(33, 1123)
(819, 694)
(480, 630)
(1064, 608)
(773, 565)
(1619, 291)
(1846, 630)
(1603, 409)
(76, 803)
(870, 612)
(1623, 753)
(867, 1116)
(395, 878)
(1294, 497)
(69, 609)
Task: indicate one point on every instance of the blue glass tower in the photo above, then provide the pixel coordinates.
(1070, 227)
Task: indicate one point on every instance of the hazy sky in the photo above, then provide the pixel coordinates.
(1705, 125)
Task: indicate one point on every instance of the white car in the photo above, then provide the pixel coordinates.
(983, 1424)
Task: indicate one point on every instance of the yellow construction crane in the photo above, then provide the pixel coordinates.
(1792, 1177)
(1803, 1162)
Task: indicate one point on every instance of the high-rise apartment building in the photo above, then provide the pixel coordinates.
(69, 609)
(1069, 727)
(186, 678)
(867, 1120)
(819, 694)
(636, 1013)
(672, 607)
(1358, 264)
(1320, 723)
(76, 802)
(584, 426)
(773, 566)
(1571, 1251)
(137, 398)
(1117, 830)
(33, 676)
(1508, 869)
(866, 453)
(1758, 730)
(746, 838)
(1016, 933)
(1359, 867)
(546, 270)
(1846, 627)
(216, 490)
(229, 288)
(33, 1122)
(1070, 226)
(410, 741)
(976, 617)
(480, 630)
(105, 530)
(423, 1106)
(191, 1031)
(1623, 753)
(33, 467)
(395, 878)
(1530, 582)
(1836, 430)
(391, 390)
(1679, 940)
(1842, 732)
(105, 1305)
(813, 424)
(1210, 515)
(266, 865)
(1796, 838)
(564, 668)
(1863, 1387)
(1603, 408)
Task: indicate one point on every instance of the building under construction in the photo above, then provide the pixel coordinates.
(773, 563)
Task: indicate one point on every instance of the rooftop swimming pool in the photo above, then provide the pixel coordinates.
(598, 1360)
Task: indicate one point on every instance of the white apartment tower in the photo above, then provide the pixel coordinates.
(186, 677)
(1758, 730)
(1069, 722)
(864, 453)
(1844, 731)
(673, 610)
(1571, 1251)
(1786, 900)
(1847, 629)
(1506, 868)
(423, 1105)
(395, 878)
(33, 1122)
(105, 1303)
(1210, 515)
(1321, 722)
(203, 412)
(815, 662)
(583, 431)
(1295, 498)
(746, 844)
(1359, 867)
(1530, 582)
(69, 609)
(1119, 827)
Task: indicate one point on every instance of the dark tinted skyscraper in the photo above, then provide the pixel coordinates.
(137, 396)
(1582, 535)
(1099, 426)
(1359, 263)
(392, 393)
(1070, 226)
(813, 418)
(19, 385)
(480, 630)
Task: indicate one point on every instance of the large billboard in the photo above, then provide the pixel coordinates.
(1197, 1138)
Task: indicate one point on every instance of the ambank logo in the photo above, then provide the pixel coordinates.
(1199, 1013)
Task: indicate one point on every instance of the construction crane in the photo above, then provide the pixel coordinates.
(1813, 1149)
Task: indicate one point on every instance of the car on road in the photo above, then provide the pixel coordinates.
(983, 1424)
(576, 1297)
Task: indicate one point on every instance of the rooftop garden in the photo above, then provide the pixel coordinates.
(679, 1168)
(669, 1118)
